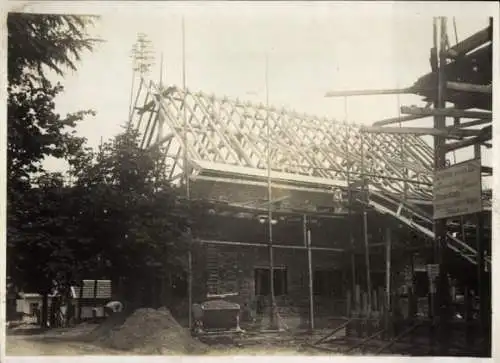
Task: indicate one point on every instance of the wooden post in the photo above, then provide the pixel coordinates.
(190, 289)
(273, 308)
(364, 313)
(367, 260)
(388, 247)
(365, 223)
(349, 313)
(80, 296)
(440, 163)
(307, 241)
(469, 331)
(348, 305)
(350, 219)
(481, 275)
(357, 309)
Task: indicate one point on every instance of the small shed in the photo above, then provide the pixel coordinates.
(29, 303)
(91, 297)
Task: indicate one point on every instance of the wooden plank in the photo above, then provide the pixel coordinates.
(162, 140)
(249, 244)
(470, 43)
(468, 123)
(452, 132)
(395, 120)
(468, 87)
(484, 136)
(393, 91)
(446, 112)
(487, 169)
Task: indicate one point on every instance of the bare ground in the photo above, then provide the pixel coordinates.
(68, 342)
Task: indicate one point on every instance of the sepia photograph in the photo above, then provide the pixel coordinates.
(215, 178)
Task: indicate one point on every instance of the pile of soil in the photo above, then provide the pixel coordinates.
(148, 331)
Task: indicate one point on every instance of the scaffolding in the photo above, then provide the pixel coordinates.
(384, 169)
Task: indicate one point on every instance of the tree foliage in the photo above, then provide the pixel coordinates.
(35, 225)
(36, 44)
(119, 218)
(129, 210)
(53, 41)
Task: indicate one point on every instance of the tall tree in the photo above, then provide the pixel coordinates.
(38, 44)
(130, 212)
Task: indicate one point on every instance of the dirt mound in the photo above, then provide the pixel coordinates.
(103, 330)
(149, 331)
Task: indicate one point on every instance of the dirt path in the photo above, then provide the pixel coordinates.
(19, 345)
(68, 342)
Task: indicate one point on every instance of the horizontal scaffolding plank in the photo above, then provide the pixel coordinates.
(467, 87)
(367, 92)
(421, 131)
(447, 112)
(266, 245)
(470, 43)
(486, 134)
(396, 120)
(469, 124)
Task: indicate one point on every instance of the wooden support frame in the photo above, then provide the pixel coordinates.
(231, 133)
(219, 131)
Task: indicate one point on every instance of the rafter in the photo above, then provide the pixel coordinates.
(221, 132)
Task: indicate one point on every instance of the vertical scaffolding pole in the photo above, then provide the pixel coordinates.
(131, 106)
(388, 247)
(482, 278)
(365, 226)
(161, 121)
(349, 208)
(186, 176)
(440, 163)
(272, 313)
(307, 242)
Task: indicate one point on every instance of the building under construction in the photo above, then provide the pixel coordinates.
(309, 220)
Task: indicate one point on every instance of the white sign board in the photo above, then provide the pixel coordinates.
(433, 271)
(457, 190)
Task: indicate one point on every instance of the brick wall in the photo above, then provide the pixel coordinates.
(236, 273)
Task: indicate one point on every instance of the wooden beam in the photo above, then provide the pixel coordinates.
(396, 120)
(468, 123)
(162, 141)
(468, 87)
(249, 244)
(487, 144)
(486, 134)
(446, 112)
(372, 92)
(487, 170)
(470, 43)
(421, 131)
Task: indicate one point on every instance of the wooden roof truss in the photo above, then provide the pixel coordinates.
(223, 138)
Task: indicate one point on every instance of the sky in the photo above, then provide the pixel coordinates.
(312, 48)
